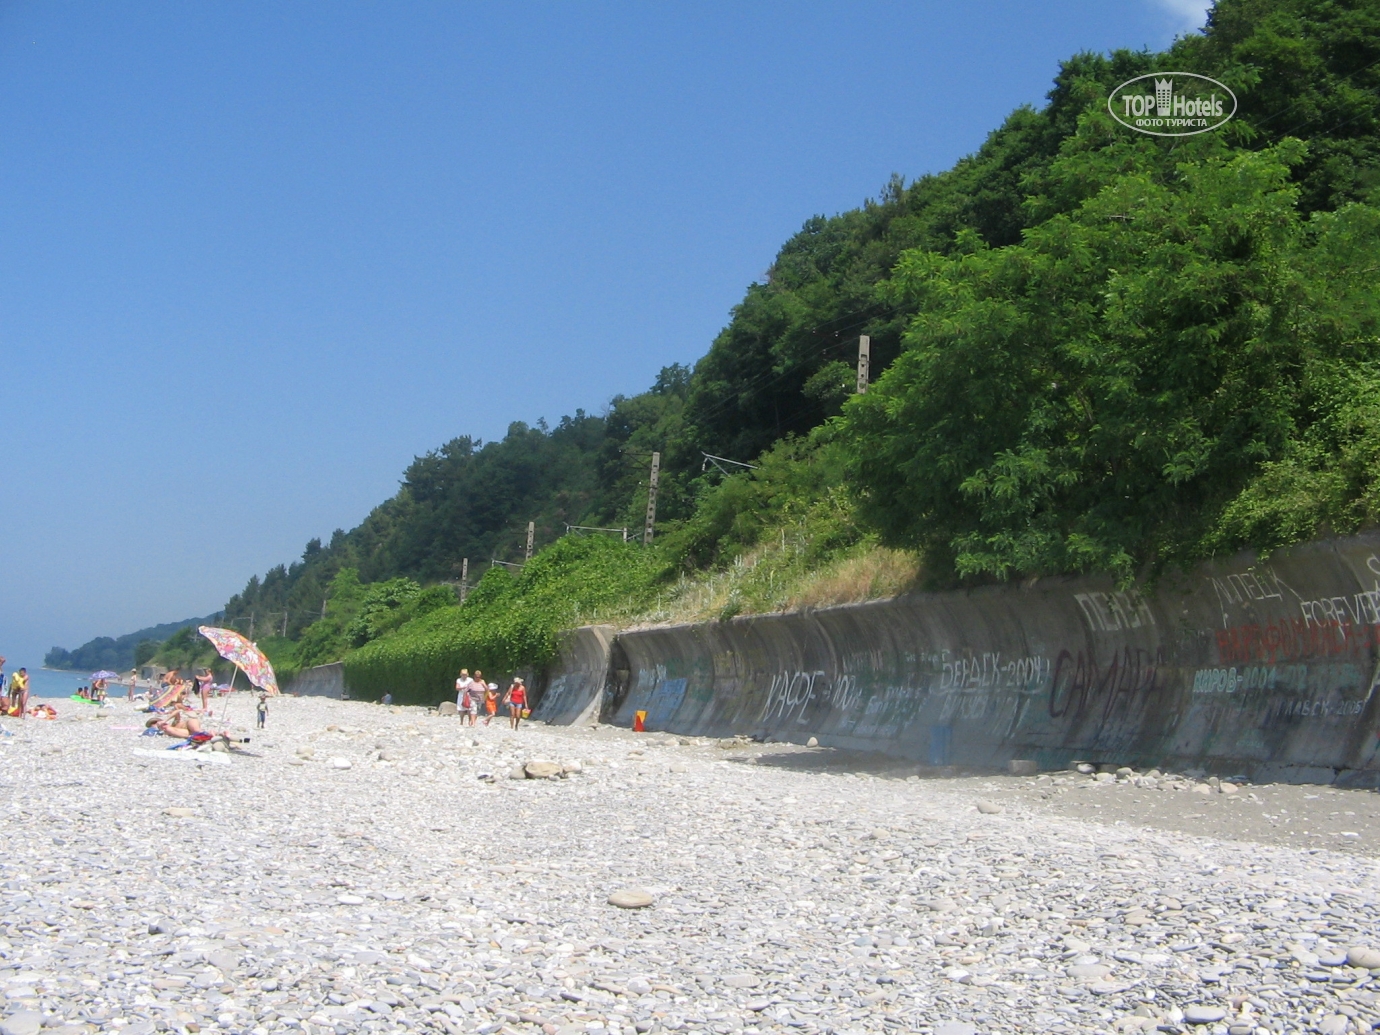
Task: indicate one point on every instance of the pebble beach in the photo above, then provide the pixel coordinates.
(356, 868)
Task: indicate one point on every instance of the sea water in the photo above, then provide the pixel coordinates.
(51, 682)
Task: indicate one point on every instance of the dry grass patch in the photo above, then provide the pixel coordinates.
(877, 573)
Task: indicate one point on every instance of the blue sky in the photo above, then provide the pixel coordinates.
(255, 257)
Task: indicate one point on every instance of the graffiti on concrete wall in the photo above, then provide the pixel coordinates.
(1113, 612)
(1241, 589)
(1081, 681)
(991, 670)
(1293, 639)
(791, 694)
(1248, 655)
(1288, 678)
(666, 700)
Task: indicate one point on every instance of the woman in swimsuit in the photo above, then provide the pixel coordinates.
(516, 698)
(179, 724)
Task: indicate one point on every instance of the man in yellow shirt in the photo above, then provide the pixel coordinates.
(19, 693)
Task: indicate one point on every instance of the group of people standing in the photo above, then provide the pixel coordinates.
(471, 692)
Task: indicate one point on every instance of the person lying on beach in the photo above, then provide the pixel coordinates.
(178, 723)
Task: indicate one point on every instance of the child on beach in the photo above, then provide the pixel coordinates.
(261, 710)
(490, 703)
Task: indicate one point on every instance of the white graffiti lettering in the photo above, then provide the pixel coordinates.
(988, 671)
(1255, 584)
(1359, 609)
(791, 692)
(1252, 677)
(1217, 681)
(1109, 612)
(1318, 709)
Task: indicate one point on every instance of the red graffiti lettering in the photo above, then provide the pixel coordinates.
(1293, 639)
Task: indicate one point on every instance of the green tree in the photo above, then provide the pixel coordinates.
(327, 639)
(1097, 396)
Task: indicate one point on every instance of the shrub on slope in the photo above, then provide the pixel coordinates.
(509, 622)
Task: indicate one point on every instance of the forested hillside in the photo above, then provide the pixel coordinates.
(118, 653)
(1092, 350)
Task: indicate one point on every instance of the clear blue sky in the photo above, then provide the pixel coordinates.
(255, 257)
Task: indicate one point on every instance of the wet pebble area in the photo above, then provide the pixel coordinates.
(363, 869)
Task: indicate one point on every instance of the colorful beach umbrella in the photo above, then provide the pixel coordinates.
(105, 673)
(246, 657)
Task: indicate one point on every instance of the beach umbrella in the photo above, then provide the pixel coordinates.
(105, 673)
(246, 657)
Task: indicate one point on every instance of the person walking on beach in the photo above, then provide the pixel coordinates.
(516, 699)
(469, 703)
(475, 696)
(203, 684)
(462, 685)
(261, 709)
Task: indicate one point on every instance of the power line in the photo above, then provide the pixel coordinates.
(719, 461)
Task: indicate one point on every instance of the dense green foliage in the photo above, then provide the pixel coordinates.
(1092, 350)
(357, 613)
(1094, 397)
(509, 622)
(1177, 357)
(120, 653)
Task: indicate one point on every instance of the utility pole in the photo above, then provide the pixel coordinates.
(464, 579)
(864, 361)
(531, 534)
(251, 626)
(285, 614)
(651, 499)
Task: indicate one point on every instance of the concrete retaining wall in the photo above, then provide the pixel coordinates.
(321, 681)
(1268, 669)
(573, 687)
